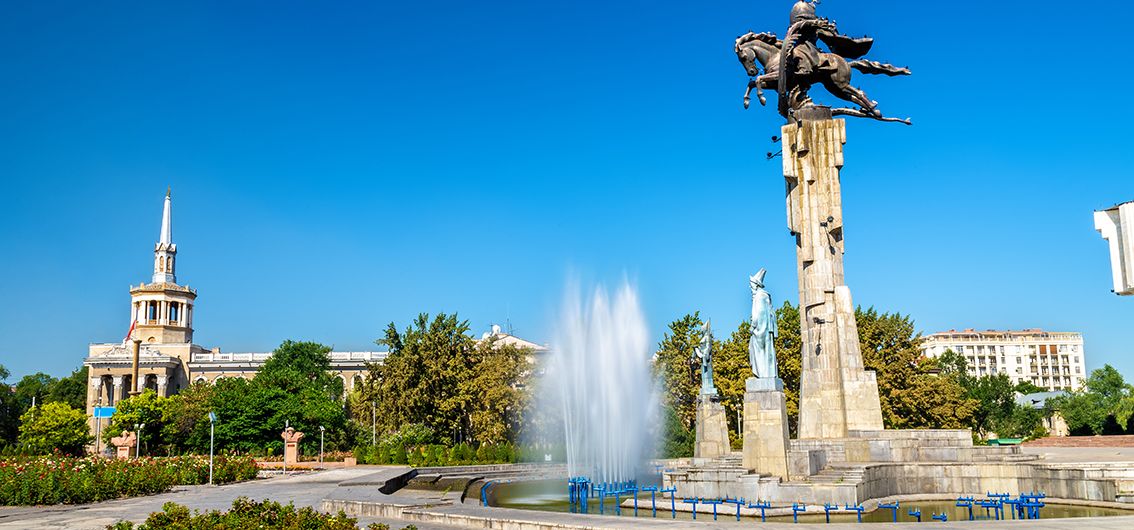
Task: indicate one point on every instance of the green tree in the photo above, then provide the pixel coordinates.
(679, 369)
(34, 388)
(420, 381)
(9, 411)
(146, 408)
(185, 419)
(789, 362)
(54, 426)
(677, 439)
(730, 371)
(298, 389)
(439, 377)
(1103, 406)
(496, 391)
(72, 389)
(911, 395)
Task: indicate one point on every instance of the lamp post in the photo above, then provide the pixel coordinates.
(286, 424)
(98, 424)
(212, 425)
(138, 441)
(321, 430)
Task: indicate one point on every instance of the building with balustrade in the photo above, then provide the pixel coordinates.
(162, 312)
(1048, 359)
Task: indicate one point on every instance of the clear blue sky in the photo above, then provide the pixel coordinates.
(338, 167)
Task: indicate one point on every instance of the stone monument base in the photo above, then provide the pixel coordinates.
(712, 429)
(765, 427)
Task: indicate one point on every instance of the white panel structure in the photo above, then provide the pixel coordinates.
(1116, 224)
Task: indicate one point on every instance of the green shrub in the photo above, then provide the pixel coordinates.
(61, 480)
(399, 455)
(245, 513)
(416, 457)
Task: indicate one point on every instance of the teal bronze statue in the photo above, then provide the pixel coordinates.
(704, 350)
(761, 346)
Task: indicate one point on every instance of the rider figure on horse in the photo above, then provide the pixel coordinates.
(807, 29)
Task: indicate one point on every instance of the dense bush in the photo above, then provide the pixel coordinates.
(436, 455)
(245, 513)
(55, 480)
(54, 427)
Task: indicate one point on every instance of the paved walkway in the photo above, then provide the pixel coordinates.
(304, 490)
(310, 489)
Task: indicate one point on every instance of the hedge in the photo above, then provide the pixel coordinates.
(66, 480)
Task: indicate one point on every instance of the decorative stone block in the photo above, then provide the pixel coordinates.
(765, 428)
(291, 438)
(127, 444)
(712, 430)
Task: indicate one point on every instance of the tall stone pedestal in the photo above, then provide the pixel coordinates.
(837, 394)
(291, 438)
(712, 429)
(765, 427)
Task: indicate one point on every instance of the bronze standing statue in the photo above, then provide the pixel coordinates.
(792, 65)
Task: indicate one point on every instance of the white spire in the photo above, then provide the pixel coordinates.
(166, 222)
(165, 252)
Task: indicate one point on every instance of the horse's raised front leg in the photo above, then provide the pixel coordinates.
(759, 83)
(748, 93)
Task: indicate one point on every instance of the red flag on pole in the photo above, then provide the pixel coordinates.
(130, 333)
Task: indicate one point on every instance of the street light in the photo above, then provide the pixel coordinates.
(98, 424)
(321, 429)
(212, 425)
(138, 441)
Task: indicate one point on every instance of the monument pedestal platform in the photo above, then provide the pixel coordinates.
(765, 427)
(712, 429)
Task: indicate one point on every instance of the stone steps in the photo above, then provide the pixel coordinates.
(839, 474)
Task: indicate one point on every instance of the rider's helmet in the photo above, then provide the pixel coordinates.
(803, 10)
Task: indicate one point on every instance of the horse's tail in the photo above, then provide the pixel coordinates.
(875, 67)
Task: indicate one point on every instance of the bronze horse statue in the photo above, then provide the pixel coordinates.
(766, 50)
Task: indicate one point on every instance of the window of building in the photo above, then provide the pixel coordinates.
(1076, 369)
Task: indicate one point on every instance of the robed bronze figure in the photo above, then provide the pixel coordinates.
(795, 63)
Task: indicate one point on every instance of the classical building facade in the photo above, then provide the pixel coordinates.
(1047, 359)
(1116, 224)
(161, 313)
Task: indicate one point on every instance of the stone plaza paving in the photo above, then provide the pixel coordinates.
(426, 510)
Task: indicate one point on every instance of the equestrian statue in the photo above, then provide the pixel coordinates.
(795, 63)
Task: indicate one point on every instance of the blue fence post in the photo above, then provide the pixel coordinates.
(762, 505)
(943, 517)
(692, 501)
(672, 500)
(893, 507)
(738, 503)
(916, 512)
(653, 499)
(795, 509)
(966, 502)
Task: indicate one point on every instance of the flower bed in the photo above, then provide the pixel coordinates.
(56, 480)
(245, 513)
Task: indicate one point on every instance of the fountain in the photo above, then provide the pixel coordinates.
(600, 367)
